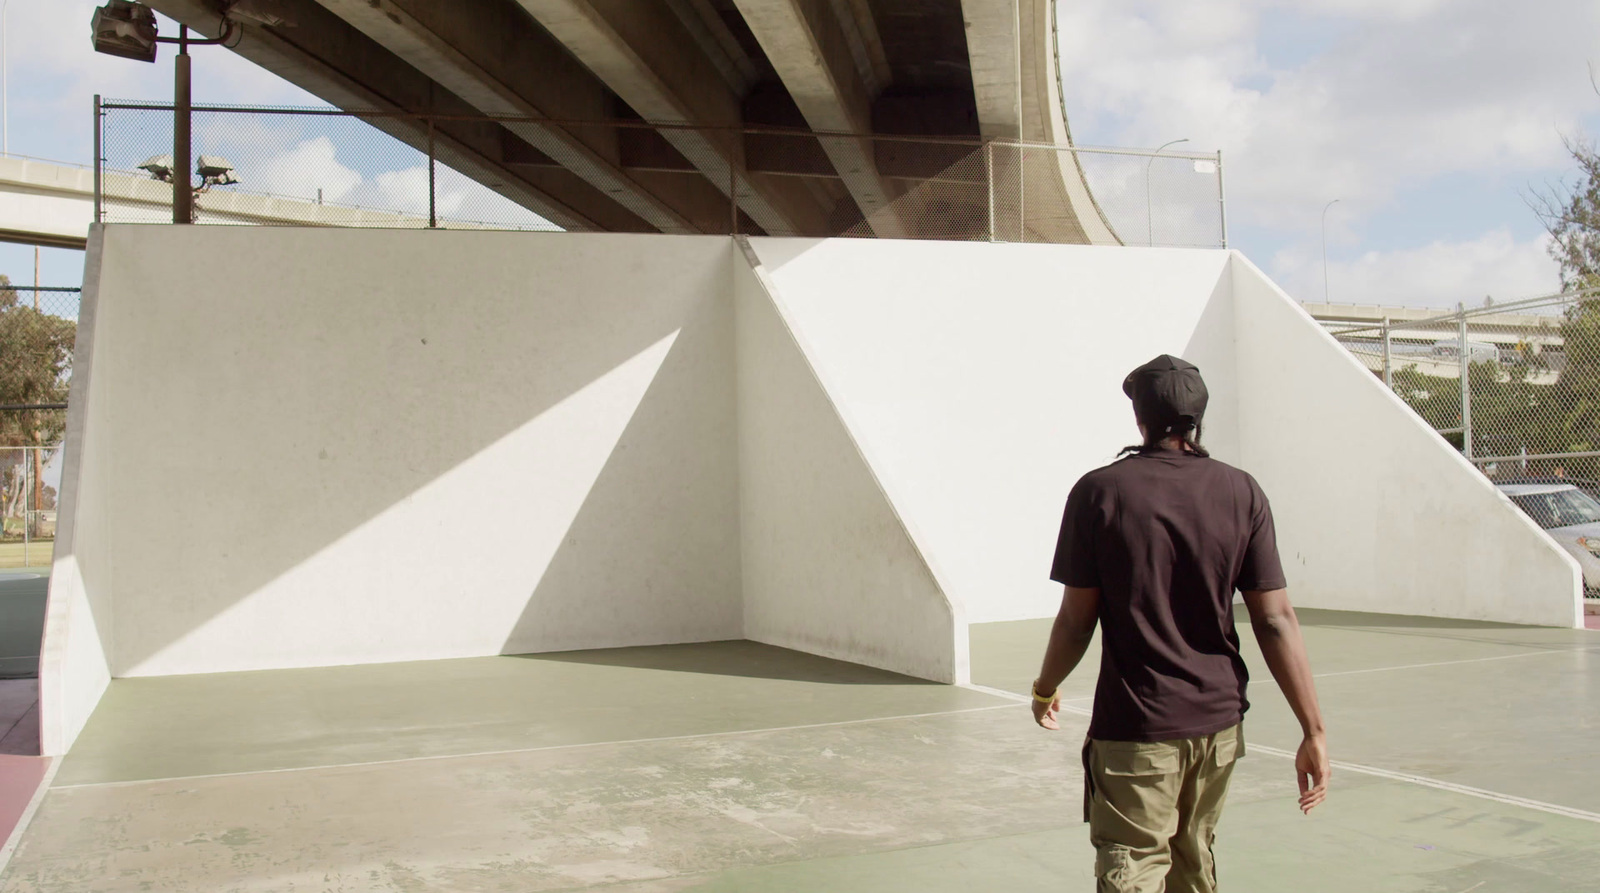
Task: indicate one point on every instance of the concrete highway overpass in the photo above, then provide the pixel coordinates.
(972, 69)
(1423, 325)
(52, 204)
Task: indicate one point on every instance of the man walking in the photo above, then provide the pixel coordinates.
(1152, 548)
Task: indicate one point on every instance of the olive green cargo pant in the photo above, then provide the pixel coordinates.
(1152, 809)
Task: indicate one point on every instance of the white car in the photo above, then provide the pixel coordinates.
(1570, 516)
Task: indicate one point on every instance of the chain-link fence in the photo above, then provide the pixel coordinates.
(29, 480)
(1515, 387)
(38, 327)
(330, 167)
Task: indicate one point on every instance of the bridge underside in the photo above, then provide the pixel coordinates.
(973, 69)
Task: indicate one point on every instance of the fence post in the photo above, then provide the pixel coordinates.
(988, 163)
(1466, 382)
(433, 205)
(733, 190)
(27, 491)
(1222, 200)
(182, 145)
(1388, 377)
(1022, 192)
(99, 150)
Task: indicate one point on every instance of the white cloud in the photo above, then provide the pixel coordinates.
(1438, 274)
(303, 170)
(54, 74)
(1408, 90)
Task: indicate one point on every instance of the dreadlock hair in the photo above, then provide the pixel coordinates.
(1188, 436)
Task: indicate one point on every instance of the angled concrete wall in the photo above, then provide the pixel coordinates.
(341, 446)
(346, 446)
(829, 566)
(1375, 511)
(75, 653)
(985, 379)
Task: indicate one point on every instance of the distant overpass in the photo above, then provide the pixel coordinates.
(981, 69)
(51, 204)
(1431, 346)
(1507, 330)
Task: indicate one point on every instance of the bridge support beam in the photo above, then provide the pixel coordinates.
(808, 47)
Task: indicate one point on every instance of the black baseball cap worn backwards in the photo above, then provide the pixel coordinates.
(1168, 394)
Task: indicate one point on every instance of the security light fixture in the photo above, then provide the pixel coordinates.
(126, 29)
(159, 167)
(214, 170)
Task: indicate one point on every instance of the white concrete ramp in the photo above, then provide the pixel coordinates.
(984, 380)
(362, 446)
(815, 518)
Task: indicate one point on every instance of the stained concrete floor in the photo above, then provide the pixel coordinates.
(1466, 763)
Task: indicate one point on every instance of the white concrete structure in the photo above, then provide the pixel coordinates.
(368, 445)
(829, 564)
(46, 204)
(42, 203)
(982, 404)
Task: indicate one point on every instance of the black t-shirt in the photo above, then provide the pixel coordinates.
(1167, 537)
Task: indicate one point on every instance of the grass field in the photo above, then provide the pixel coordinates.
(37, 554)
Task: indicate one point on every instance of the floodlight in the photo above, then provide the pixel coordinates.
(126, 29)
(159, 167)
(215, 170)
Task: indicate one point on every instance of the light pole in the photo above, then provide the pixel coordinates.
(1325, 249)
(1149, 221)
(128, 29)
(5, 96)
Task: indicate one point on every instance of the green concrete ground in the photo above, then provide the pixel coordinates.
(1466, 755)
(22, 602)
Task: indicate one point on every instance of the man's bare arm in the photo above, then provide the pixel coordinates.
(1069, 639)
(1277, 630)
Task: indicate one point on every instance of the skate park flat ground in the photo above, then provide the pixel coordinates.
(1465, 755)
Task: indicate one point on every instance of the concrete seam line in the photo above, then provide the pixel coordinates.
(26, 819)
(520, 750)
(1444, 663)
(1481, 793)
(1424, 781)
(1008, 695)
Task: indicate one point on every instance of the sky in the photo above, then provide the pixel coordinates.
(1432, 122)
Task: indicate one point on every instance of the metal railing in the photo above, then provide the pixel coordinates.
(329, 167)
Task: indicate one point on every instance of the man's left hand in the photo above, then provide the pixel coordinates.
(1045, 714)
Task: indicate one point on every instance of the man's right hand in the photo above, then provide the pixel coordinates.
(1311, 768)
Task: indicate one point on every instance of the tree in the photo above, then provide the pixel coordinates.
(35, 366)
(1572, 217)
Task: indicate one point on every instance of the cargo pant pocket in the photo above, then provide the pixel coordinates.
(1135, 812)
(1113, 866)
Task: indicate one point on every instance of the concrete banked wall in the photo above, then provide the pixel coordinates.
(348, 446)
